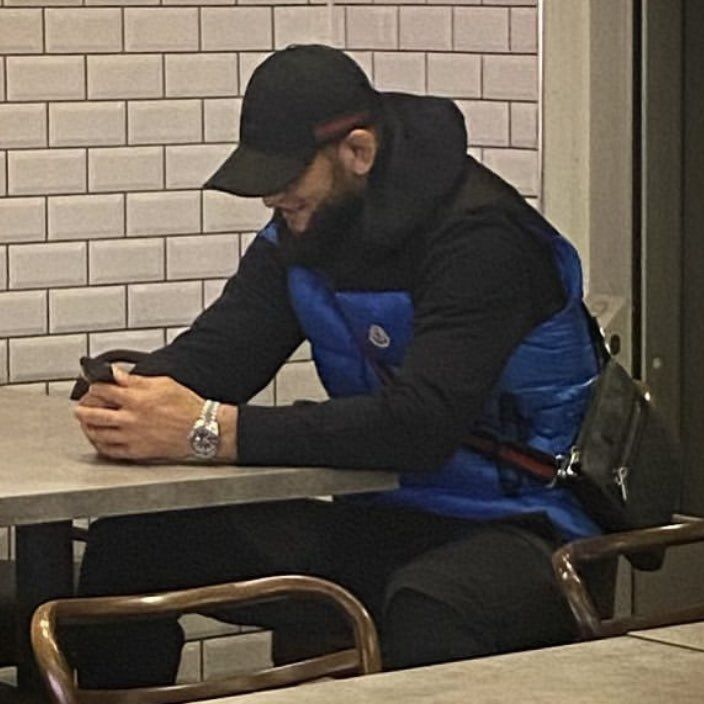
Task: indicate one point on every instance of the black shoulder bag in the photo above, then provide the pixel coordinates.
(624, 465)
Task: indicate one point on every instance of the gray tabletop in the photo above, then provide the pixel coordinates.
(686, 635)
(49, 472)
(618, 670)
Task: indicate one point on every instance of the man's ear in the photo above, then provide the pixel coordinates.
(358, 151)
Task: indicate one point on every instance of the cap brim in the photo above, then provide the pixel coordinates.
(250, 172)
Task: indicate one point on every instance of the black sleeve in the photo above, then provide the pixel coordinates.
(481, 290)
(234, 348)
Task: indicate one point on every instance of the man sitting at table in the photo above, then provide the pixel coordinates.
(437, 302)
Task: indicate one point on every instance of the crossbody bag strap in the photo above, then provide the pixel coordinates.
(598, 337)
(541, 465)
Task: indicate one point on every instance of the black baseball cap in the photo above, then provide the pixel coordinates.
(297, 100)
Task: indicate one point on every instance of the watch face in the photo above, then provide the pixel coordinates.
(204, 442)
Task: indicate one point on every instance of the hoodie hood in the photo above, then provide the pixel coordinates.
(422, 157)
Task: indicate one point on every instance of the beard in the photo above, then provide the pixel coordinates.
(327, 233)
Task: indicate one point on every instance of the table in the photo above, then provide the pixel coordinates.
(625, 670)
(686, 635)
(49, 474)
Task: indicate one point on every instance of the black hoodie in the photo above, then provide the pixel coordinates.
(434, 222)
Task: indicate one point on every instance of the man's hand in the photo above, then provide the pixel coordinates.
(147, 418)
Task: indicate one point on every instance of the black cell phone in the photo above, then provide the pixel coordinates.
(96, 370)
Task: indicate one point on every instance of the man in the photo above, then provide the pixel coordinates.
(438, 304)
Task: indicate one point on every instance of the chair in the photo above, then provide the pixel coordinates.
(364, 658)
(580, 553)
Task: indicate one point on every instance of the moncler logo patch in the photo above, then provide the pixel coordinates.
(379, 337)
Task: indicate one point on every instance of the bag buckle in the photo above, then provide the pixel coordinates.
(567, 466)
(620, 479)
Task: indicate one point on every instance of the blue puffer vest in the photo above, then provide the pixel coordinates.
(539, 400)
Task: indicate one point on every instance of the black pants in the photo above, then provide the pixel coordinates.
(439, 589)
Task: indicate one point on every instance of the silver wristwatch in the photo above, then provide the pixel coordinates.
(205, 434)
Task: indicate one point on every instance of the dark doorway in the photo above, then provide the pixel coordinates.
(669, 238)
(692, 390)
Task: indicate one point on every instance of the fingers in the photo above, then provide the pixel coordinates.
(99, 416)
(104, 437)
(139, 417)
(107, 431)
(105, 395)
(122, 377)
(115, 451)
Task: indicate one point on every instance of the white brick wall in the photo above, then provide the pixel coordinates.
(45, 77)
(3, 361)
(164, 121)
(201, 75)
(22, 219)
(90, 216)
(455, 75)
(222, 120)
(190, 166)
(163, 213)
(115, 261)
(114, 112)
(236, 28)
(152, 305)
(3, 268)
(125, 76)
(31, 172)
(222, 213)
(21, 32)
(23, 313)
(508, 77)
(161, 29)
(86, 124)
(198, 258)
(35, 358)
(481, 29)
(79, 309)
(83, 31)
(488, 122)
(400, 71)
(142, 340)
(22, 125)
(425, 28)
(126, 169)
(372, 27)
(47, 265)
(295, 25)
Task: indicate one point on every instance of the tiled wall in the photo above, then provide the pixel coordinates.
(113, 112)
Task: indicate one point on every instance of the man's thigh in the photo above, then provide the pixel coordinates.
(179, 549)
(498, 584)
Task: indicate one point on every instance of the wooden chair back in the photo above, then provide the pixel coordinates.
(569, 558)
(59, 677)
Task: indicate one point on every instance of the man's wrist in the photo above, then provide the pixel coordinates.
(227, 420)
